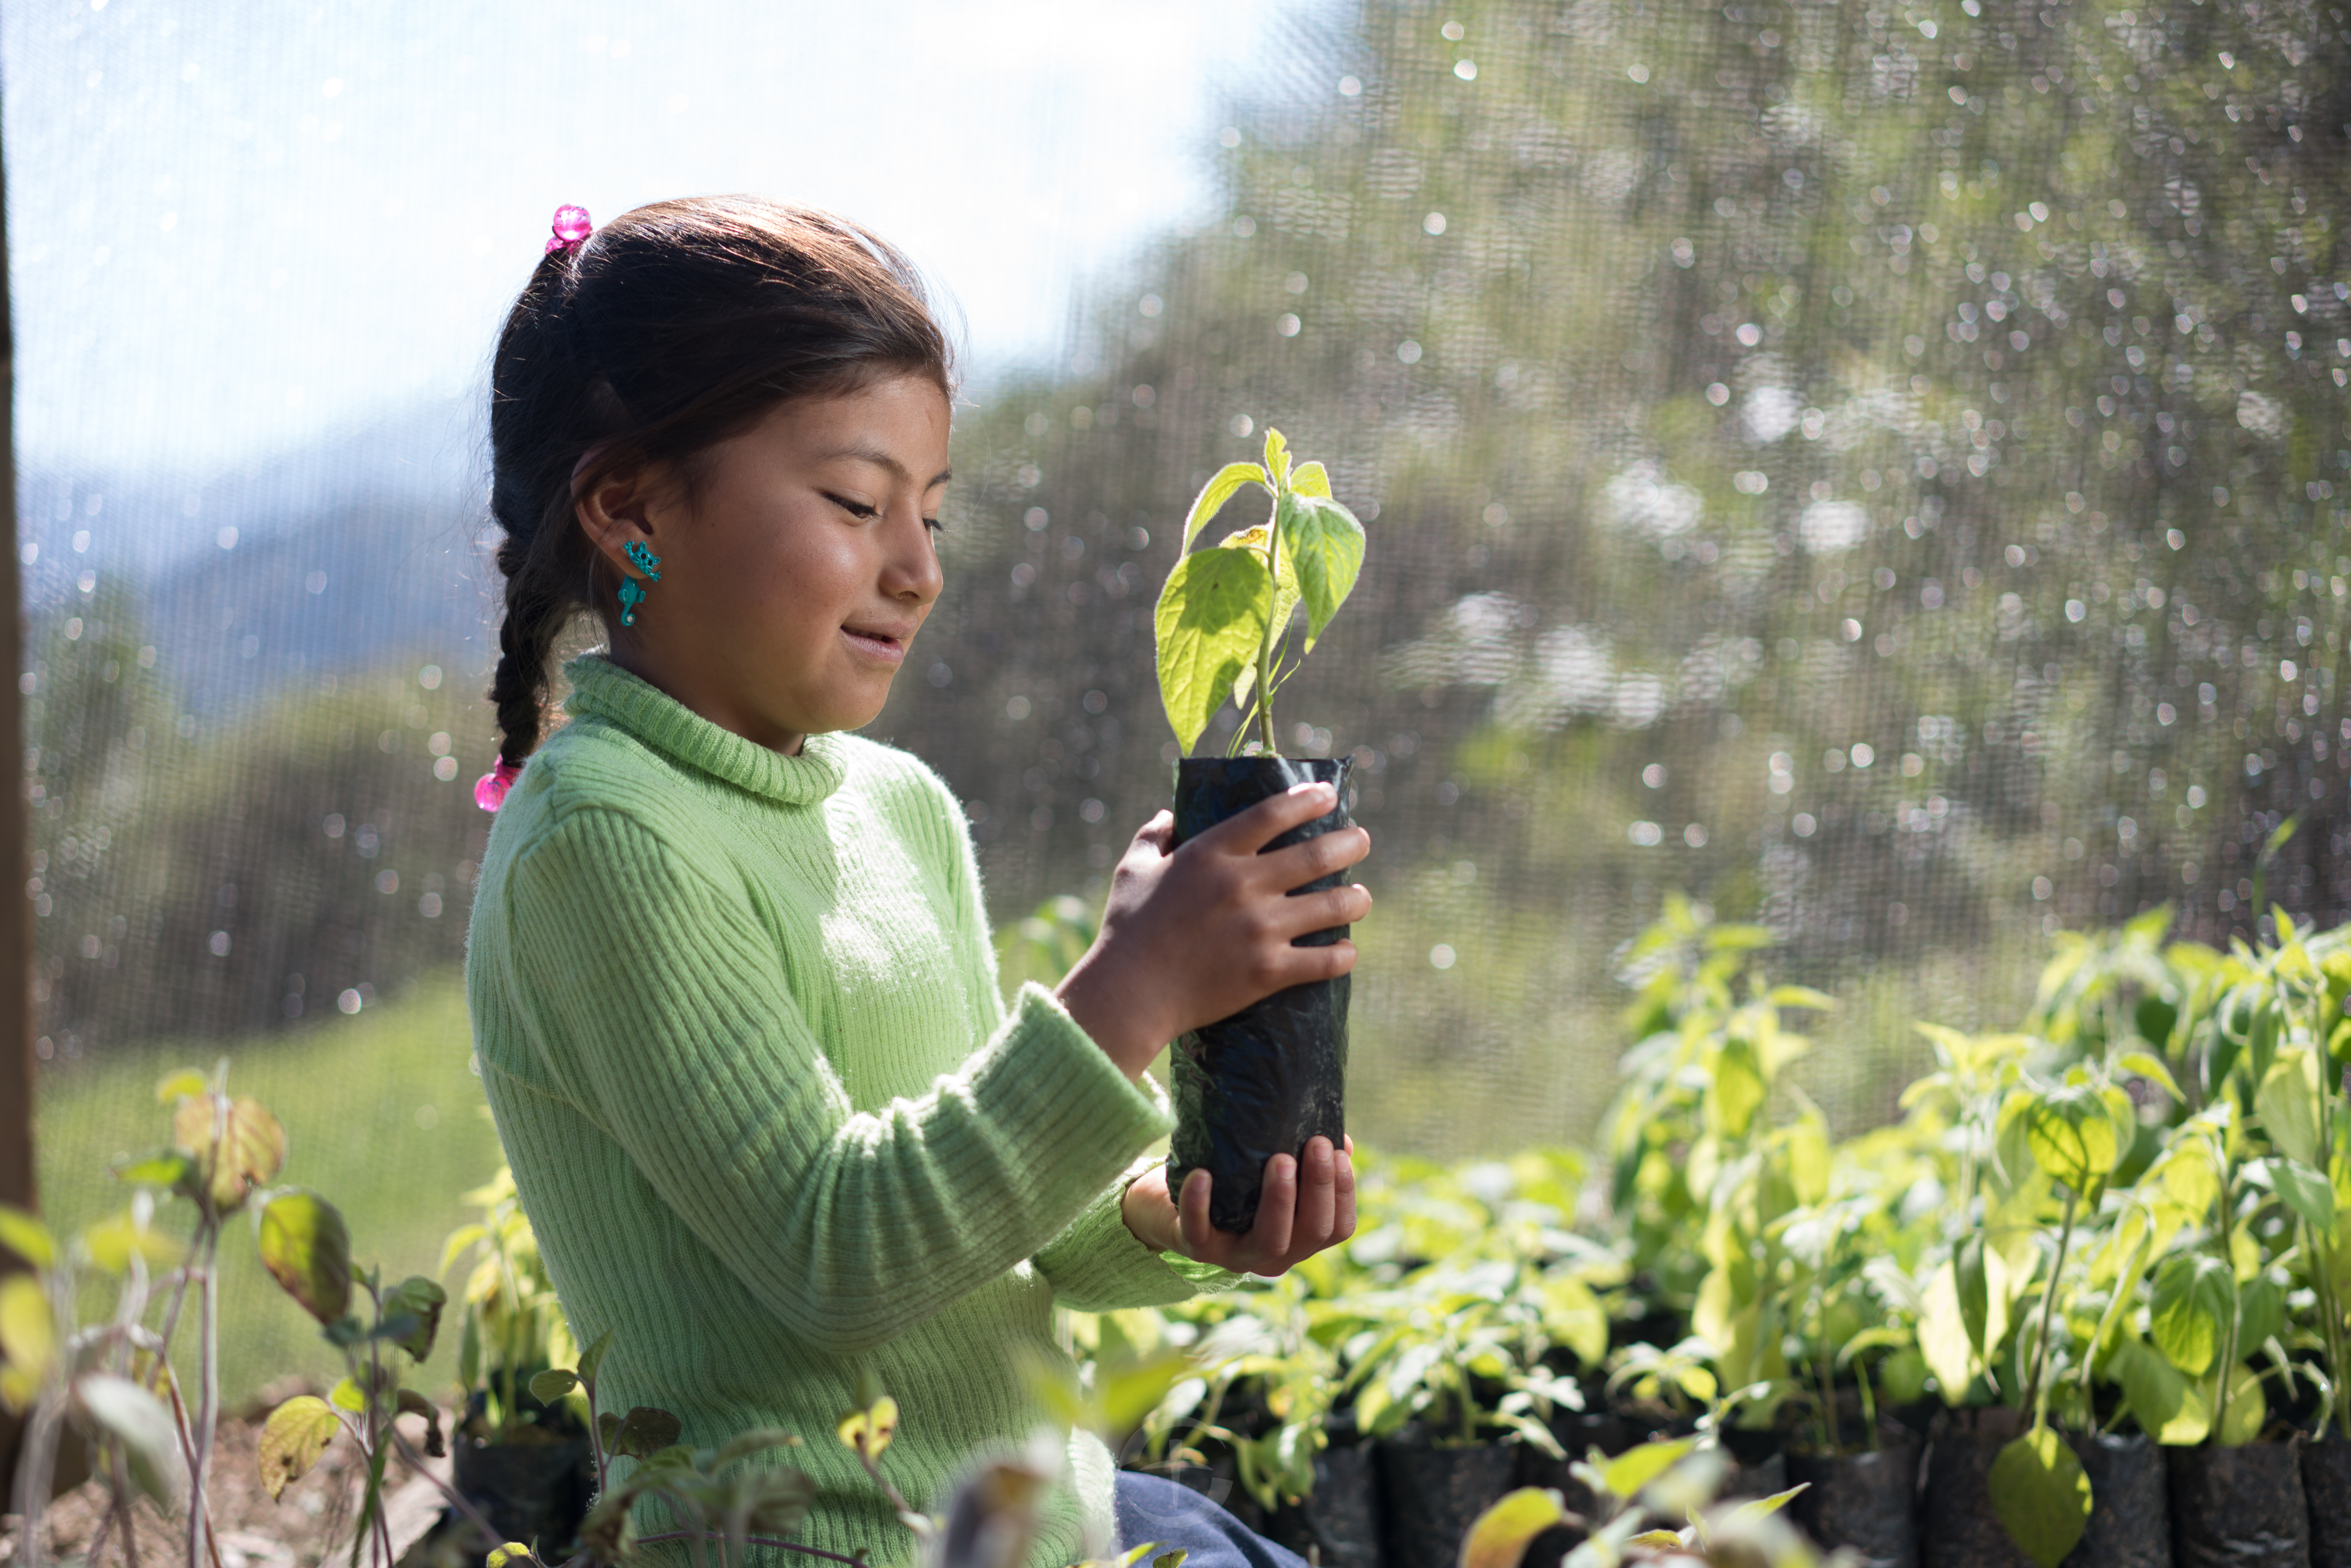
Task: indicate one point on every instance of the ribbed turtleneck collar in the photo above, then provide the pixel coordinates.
(602, 689)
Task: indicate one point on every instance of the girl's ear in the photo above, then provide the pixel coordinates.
(619, 509)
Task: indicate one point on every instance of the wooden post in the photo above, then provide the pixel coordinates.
(17, 1184)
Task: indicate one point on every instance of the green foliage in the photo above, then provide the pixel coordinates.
(2040, 1494)
(1224, 614)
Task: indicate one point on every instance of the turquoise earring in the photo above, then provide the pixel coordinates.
(632, 592)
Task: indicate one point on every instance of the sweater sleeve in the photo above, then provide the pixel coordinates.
(1098, 1266)
(678, 1034)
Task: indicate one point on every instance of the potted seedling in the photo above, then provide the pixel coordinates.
(1271, 1077)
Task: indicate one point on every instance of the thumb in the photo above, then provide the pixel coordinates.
(1159, 833)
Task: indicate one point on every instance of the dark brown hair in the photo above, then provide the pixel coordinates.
(664, 332)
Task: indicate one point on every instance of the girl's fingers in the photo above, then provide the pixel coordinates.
(1276, 1212)
(1301, 913)
(1325, 855)
(1250, 831)
(1343, 1193)
(1198, 1236)
(1317, 1200)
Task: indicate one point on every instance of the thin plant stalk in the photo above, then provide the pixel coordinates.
(2228, 1339)
(1272, 636)
(2036, 1392)
(208, 1378)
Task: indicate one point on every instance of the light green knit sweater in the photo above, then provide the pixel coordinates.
(738, 1021)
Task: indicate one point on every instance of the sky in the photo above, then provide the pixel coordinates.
(240, 230)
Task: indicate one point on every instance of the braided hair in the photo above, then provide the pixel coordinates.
(663, 333)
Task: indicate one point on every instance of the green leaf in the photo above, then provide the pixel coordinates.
(1572, 1316)
(172, 1170)
(1277, 457)
(2041, 1495)
(868, 1431)
(185, 1085)
(1501, 1536)
(1737, 1091)
(1310, 479)
(1975, 1307)
(592, 1360)
(2248, 1410)
(513, 1551)
(2167, 1406)
(293, 1438)
(2195, 1303)
(1629, 1471)
(423, 1300)
(2261, 1311)
(2140, 1064)
(2287, 1102)
(347, 1395)
(2305, 1192)
(1217, 491)
(552, 1385)
(1211, 622)
(2071, 1133)
(129, 1415)
(306, 1249)
(644, 1432)
(26, 1237)
(1325, 546)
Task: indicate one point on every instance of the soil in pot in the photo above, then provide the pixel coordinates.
(2326, 1488)
(1429, 1497)
(1863, 1500)
(2130, 1516)
(1273, 1075)
(529, 1491)
(2238, 1508)
(1341, 1521)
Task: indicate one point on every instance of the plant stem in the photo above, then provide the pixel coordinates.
(208, 1380)
(1273, 634)
(2036, 1391)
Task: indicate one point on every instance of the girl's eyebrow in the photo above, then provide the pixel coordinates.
(867, 452)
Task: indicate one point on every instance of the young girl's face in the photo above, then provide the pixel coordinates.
(795, 575)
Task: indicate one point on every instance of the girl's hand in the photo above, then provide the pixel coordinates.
(1303, 1211)
(1197, 934)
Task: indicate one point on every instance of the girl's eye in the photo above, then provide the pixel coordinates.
(854, 508)
(933, 524)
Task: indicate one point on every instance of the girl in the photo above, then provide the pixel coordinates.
(733, 992)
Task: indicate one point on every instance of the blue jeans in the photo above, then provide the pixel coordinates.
(1153, 1508)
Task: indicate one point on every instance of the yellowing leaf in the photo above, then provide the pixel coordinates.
(293, 1438)
(1501, 1536)
(1310, 479)
(28, 1339)
(1629, 1471)
(185, 1085)
(1943, 1336)
(307, 1250)
(868, 1431)
(238, 1145)
(26, 1237)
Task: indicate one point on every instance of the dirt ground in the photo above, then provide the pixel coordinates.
(310, 1525)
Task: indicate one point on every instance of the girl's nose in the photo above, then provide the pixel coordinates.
(911, 571)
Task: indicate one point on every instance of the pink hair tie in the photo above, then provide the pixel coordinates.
(490, 790)
(572, 226)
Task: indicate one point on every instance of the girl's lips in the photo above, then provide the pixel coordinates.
(875, 646)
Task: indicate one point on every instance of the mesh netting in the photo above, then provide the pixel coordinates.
(1877, 468)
